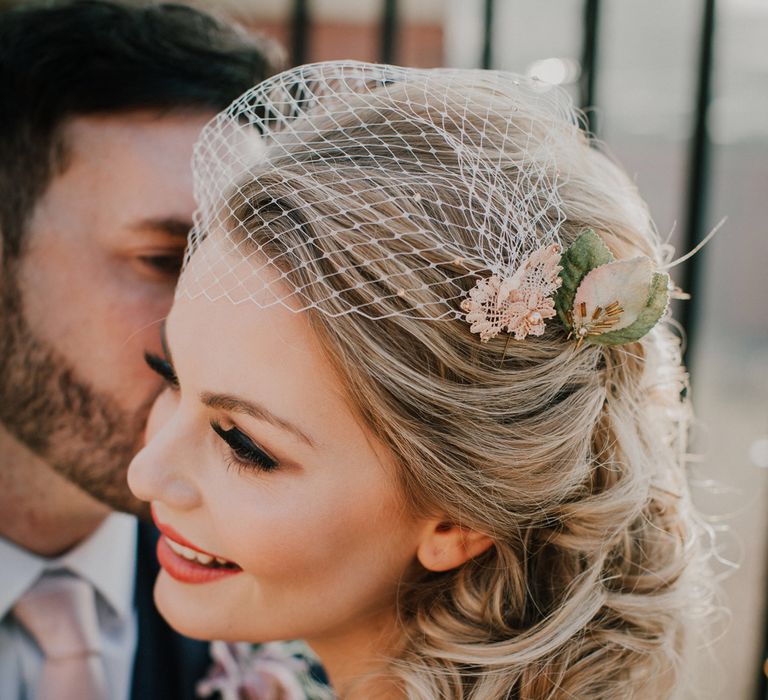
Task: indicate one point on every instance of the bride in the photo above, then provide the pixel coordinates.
(421, 412)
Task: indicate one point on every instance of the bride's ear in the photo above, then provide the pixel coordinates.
(446, 546)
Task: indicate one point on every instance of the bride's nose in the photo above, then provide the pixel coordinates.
(162, 470)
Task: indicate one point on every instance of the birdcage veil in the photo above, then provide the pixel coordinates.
(405, 180)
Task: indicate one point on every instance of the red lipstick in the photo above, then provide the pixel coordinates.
(187, 569)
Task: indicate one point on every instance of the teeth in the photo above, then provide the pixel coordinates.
(192, 555)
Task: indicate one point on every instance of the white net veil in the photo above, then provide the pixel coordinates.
(352, 187)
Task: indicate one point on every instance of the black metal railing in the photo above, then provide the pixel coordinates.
(698, 178)
(300, 32)
(388, 52)
(486, 59)
(588, 73)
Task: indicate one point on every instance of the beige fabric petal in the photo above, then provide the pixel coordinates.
(624, 281)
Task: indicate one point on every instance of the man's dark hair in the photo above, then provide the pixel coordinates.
(65, 59)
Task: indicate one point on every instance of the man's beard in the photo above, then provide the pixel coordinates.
(80, 433)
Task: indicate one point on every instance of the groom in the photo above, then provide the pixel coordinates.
(100, 104)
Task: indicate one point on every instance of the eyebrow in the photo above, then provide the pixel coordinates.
(227, 402)
(174, 227)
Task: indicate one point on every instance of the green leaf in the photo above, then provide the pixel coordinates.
(586, 253)
(655, 306)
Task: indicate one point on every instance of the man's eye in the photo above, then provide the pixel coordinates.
(165, 264)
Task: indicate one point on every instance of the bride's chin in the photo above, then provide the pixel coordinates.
(194, 610)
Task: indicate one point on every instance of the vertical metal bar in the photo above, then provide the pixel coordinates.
(300, 32)
(588, 76)
(486, 60)
(698, 176)
(388, 31)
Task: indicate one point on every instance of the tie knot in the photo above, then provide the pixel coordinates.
(60, 614)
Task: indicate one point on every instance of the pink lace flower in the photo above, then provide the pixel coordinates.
(530, 314)
(518, 304)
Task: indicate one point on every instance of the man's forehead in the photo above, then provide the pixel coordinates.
(141, 129)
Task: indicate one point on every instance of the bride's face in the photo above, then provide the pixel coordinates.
(256, 458)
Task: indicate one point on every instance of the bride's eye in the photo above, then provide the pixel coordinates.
(244, 451)
(162, 367)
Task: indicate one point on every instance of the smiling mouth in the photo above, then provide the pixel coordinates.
(186, 562)
(201, 558)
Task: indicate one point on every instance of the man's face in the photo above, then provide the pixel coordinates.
(84, 299)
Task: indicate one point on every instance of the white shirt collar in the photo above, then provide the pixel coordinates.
(18, 571)
(107, 559)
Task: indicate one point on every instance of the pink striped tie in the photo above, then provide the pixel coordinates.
(59, 612)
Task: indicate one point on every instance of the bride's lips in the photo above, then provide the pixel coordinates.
(187, 563)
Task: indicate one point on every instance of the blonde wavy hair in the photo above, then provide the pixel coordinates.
(573, 461)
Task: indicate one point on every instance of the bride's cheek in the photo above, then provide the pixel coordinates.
(281, 541)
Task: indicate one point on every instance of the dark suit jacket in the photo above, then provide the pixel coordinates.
(166, 665)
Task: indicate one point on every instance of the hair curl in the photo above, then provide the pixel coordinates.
(573, 461)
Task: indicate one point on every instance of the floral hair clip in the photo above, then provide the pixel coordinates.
(598, 299)
(518, 304)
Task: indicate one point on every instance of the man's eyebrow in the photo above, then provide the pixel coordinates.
(177, 228)
(226, 402)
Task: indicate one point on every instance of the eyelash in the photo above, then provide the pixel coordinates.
(245, 453)
(163, 368)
